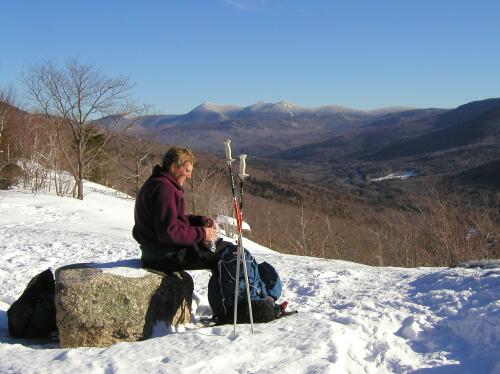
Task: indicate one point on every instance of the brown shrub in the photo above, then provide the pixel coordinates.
(10, 175)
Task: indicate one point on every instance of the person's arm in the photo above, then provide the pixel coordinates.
(169, 228)
(195, 220)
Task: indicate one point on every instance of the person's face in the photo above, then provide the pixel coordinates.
(181, 173)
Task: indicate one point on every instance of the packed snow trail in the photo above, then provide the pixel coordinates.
(353, 318)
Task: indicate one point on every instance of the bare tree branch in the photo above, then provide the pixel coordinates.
(83, 101)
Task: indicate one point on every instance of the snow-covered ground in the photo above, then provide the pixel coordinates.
(352, 318)
(400, 175)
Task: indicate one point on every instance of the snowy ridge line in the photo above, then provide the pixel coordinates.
(353, 318)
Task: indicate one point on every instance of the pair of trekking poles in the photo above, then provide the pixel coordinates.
(238, 215)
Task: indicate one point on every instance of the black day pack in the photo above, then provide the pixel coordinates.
(33, 315)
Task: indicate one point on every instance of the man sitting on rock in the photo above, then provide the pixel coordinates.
(169, 239)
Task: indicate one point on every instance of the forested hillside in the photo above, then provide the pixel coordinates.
(295, 206)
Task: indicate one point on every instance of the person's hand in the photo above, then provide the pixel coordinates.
(210, 234)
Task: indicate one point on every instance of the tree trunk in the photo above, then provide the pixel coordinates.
(80, 178)
(137, 177)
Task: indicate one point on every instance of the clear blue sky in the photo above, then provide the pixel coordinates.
(180, 53)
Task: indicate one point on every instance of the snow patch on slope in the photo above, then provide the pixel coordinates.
(352, 318)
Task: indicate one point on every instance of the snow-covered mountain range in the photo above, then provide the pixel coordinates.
(210, 112)
(260, 127)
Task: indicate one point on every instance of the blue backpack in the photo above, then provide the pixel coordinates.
(263, 281)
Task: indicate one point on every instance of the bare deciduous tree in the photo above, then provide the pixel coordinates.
(141, 149)
(301, 236)
(8, 101)
(80, 100)
(135, 155)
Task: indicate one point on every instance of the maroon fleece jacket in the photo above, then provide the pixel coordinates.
(159, 215)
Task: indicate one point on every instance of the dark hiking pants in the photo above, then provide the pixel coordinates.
(188, 258)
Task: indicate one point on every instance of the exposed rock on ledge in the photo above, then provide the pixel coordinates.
(99, 305)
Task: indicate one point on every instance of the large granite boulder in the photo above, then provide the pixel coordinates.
(99, 305)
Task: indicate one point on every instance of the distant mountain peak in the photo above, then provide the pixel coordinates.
(286, 104)
(208, 106)
(279, 108)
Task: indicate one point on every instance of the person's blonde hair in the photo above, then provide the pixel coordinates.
(178, 156)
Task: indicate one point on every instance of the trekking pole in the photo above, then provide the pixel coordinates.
(229, 160)
(242, 176)
(237, 215)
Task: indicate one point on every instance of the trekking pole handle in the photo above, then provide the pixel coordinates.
(243, 166)
(227, 148)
